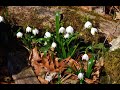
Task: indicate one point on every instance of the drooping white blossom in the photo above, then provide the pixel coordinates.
(93, 31)
(45, 43)
(88, 24)
(1, 19)
(66, 35)
(80, 75)
(62, 30)
(28, 29)
(69, 29)
(47, 35)
(85, 57)
(48, 78)
(19, 35)
(53, 45)
(35, 31)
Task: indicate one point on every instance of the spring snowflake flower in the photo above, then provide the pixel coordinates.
(93, 30)
(28, 29)
(66, 35)
(1, 19)
(62, 30)
(45, 43)
(53, 45)
(35, 31)
(85, 57)
(88, 24)
(80, 76)
(47, 35)
(69, 29)
(19, 35)
(48, 78)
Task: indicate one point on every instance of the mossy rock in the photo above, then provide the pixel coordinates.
(111, 68)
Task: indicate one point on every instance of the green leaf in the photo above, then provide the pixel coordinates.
(90, 66)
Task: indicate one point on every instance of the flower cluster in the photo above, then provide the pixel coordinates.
(28, 30)
(69, 30)
(88, 25)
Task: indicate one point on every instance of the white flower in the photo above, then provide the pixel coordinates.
(28, 29)
(1, 19)
(85, 57)
(47, 35)
(19, 35)
(45, 43)
(53, 45)
(80, 75)
(66, 35)
(62, 30)
(88, 24)
(35, 31)
(89, 63)
(93, 30)
(69, 29)
(48, 78)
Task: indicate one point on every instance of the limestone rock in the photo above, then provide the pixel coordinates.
(115, 44)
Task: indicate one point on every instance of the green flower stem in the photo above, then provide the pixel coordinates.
(89, 67)
(74, 50)
(81, 81)
(57, 26)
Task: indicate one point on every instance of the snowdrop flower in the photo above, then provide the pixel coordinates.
(47, 35)
(66, 35)
(53, 45)
(88, 24)
(1, 19)
(48, 78)
(62, 30)
(69, 29)
(19, 35)
(85, 57)
(35, 31)
(93, 30)
(28, 29)
(80, 76)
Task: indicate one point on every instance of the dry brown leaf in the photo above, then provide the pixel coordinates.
(85, 65)
(95, 78)
(117, 17)
(46, 61)
(51, 65)
(89, 81)
(35, 55)
(42, 80)
(64, 62)
(56, 62)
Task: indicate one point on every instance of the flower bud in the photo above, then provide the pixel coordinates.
(80, 76)
(69, 29)
(66, 35)
(35, 31)
(28, 29)
(62, 30)
(19, 35)
(93, 30)
(85, 57)
(88, 24)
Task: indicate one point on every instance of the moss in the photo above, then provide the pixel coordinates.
(112, 67)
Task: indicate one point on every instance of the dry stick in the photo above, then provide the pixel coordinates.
(116, 8)
(66, 77)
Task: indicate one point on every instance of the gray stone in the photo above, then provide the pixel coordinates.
(115, 44)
